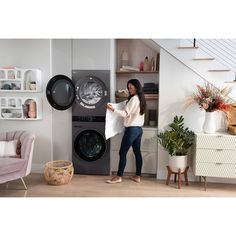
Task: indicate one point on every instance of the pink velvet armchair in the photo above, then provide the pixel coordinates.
(12, 168)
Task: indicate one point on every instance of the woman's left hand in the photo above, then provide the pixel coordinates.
(110, 107)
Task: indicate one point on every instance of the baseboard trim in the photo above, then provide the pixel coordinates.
(37, 168)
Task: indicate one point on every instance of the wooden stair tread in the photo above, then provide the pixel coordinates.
(219, 70)
(188, 47)
(203, 58)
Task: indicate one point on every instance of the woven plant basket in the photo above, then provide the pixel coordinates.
(58, 172)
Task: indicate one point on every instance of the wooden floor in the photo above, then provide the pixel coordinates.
(95, 186)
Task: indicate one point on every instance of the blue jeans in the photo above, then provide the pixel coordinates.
(132, 137)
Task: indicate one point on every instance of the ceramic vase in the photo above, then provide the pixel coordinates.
(209, 126)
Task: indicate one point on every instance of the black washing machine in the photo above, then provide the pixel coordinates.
(88, 94)
(92, 92)
(91, 151)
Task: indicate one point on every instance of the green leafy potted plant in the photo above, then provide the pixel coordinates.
(176, 141)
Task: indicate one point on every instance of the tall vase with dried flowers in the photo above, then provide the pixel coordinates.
(211, 99)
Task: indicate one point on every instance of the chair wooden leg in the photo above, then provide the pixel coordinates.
(200, 179)
(24, 183)
(179, 178)
(168, 175)
(186, 175)
(205, 183)
(175, 178)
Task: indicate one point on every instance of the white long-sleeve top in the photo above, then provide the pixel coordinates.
(131, 113)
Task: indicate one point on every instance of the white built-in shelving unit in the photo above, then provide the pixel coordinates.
(27, 82)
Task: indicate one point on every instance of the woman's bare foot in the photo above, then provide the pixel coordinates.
(114, 180)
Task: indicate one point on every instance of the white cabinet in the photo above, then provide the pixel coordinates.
(215, 155)
(20, 80)
(17, 80)
(148, 149)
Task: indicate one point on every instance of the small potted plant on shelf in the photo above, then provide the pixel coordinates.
(176, 141)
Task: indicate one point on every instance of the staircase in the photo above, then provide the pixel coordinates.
(214, 60)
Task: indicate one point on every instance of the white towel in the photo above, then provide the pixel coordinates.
(114, 122)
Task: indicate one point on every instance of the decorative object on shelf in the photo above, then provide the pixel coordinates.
(58, 172)
(124, 58)
(121, 95)
(209, 126)
(210, 98)
(32, 85)
(176, 141)
(232, 120)
(6, 87)
(152, 118)
(11, 74)
(7, 114)
(150, 90)
(25, 108)
(146, 66)
(141, 66)
(14, 86)
(32, 109)
(146, 117)
(129, 69)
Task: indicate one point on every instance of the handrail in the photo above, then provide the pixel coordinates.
(223, 50)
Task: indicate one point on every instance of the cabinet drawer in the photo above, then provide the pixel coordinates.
(216, 141)
(216, 170)
(116, 141)
(149, 162)
(216, 156)
(149, 141)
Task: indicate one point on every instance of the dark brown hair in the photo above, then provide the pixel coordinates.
(139, 92)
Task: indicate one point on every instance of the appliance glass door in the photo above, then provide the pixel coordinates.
(90, 145)
(90, 92)
(60, 92)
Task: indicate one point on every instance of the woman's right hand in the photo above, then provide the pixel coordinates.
(110, 107)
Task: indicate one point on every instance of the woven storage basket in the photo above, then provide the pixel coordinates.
(232, 120)
(58, 172)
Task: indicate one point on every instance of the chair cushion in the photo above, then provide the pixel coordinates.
(10, 148)
(10, 165)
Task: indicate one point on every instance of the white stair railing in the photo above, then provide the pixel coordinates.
(223, 50)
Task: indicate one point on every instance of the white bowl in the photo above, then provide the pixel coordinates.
(6, 115)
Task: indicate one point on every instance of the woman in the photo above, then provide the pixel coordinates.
(133, 114)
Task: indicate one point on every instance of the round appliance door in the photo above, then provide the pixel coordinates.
(60, 92)
(90, 145)
(90, 92)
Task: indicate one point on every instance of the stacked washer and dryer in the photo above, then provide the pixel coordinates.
(91, 151)
(88, 93)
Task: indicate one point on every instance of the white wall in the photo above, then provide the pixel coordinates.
(91, 54)
(176, 82)
(62, 120)
(31, 53)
